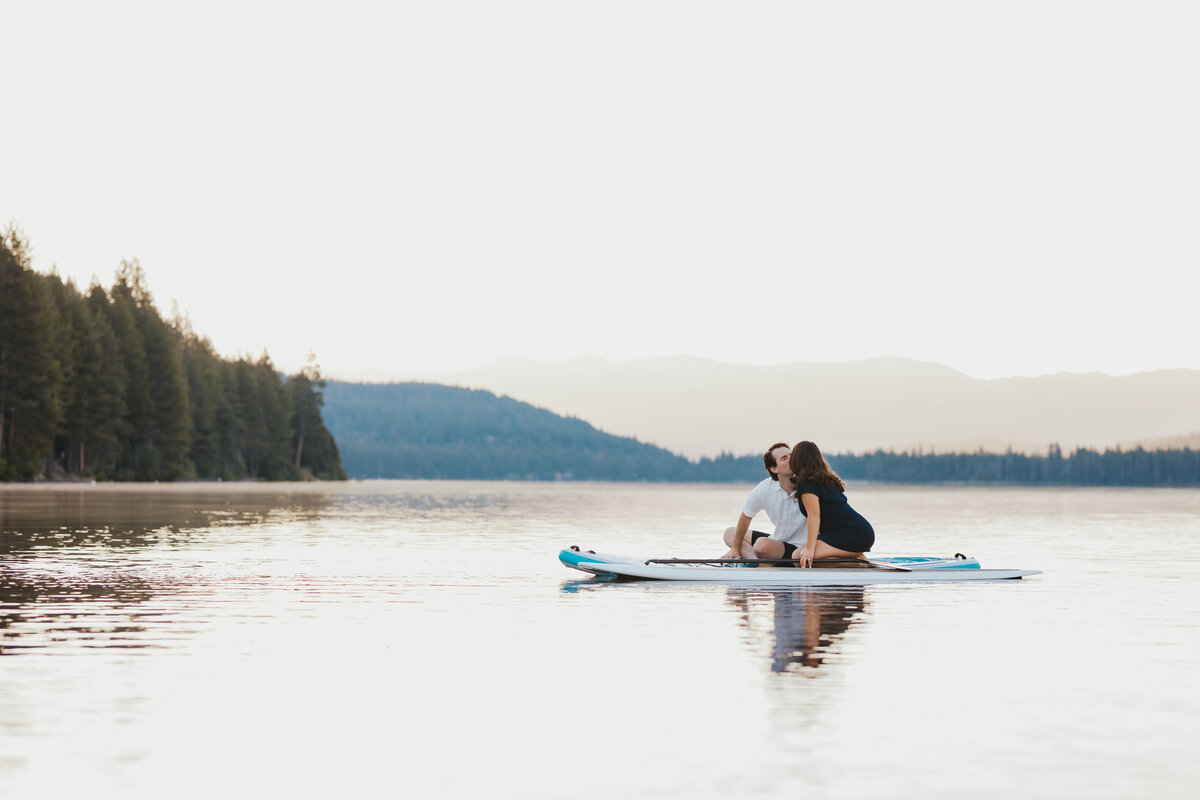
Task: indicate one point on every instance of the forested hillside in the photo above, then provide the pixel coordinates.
(425, 430)
(99, 385)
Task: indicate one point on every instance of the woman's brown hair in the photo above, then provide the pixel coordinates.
(809, 465)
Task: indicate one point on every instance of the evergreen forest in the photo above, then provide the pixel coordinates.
(431, 431)
(98, 385)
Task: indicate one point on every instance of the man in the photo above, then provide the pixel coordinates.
(773, 495)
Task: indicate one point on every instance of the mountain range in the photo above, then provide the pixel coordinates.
(698, 407)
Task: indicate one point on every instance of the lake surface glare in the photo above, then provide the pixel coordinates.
(420, 639)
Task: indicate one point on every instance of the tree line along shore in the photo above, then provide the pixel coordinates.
(1082, 467)
(98, 385)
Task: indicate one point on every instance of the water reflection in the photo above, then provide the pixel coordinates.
(804, 627)
(586, 584)
(84, 567)
(39, 518)
(57, 603)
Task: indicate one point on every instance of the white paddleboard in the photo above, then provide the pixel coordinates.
(792, 576)
(573, 556)
(900, 569)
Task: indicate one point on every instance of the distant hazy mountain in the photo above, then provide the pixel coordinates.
(699, 407)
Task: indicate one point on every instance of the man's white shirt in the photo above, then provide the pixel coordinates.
(781, 508)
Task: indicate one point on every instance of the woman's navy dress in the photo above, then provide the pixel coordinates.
(841, 526)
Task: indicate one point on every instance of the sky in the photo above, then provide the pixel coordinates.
(1009, 188)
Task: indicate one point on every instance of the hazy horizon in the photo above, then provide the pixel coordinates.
(377, 375)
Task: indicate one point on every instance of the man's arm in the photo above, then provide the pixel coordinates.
(739, 535)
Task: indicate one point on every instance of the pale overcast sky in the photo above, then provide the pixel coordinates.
(1004, 187)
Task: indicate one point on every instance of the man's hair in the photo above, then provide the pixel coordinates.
(769, 458)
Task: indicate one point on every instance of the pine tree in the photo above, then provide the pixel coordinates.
(316, 451)
(106, 440)
(28, 373)
(82, 381)
(200, 370)
(138, 459)
(169, 412)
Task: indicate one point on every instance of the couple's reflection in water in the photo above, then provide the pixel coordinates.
(802, 627)
(801, 630)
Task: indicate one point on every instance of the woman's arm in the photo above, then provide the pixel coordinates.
(812, 506)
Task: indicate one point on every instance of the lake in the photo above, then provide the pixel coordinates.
(420, 639)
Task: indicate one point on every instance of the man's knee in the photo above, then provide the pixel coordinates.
(729, 534)
(768, 548)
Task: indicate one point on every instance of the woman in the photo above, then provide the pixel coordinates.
(835, 530)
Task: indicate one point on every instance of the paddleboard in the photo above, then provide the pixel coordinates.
(574, 556)
(895, 569)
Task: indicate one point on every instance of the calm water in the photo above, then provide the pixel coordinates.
(385, 639)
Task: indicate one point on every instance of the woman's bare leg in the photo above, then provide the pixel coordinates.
(824, 550)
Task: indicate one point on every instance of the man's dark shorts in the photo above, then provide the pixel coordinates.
(789, 550)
